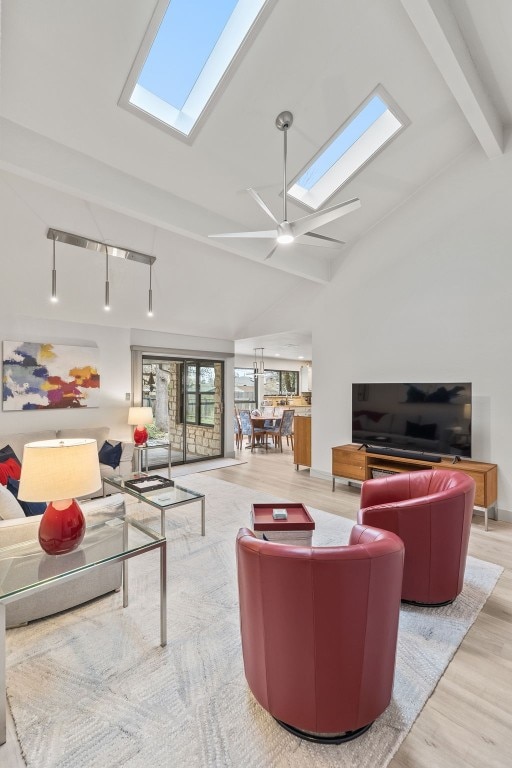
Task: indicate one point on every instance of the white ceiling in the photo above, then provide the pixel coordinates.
(81, 163)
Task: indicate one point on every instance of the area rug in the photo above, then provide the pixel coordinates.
(202, 466)
(92, 687)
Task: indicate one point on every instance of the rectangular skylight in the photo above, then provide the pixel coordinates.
(180, 67)
(358, 140)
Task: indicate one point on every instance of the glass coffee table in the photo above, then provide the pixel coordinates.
(25, 567)
(163, 499)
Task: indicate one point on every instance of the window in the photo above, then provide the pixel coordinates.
(200, 394)
(281, 383)
(188, 48)
(245, 389)
(373, 125)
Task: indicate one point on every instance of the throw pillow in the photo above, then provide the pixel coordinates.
(30, 508)
(9, 507)
(110, 454)
(9, 467)
(7, 453)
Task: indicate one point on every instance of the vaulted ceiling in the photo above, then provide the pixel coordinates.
(446, 63)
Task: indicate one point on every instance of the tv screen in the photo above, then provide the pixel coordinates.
(429, 418)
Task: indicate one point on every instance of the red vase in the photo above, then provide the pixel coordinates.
(61, 530)
(140, 435)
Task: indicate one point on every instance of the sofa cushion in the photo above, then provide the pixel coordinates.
(99, 434)
(110, 454)
(9, 507)
(17, 440)
(30, 508)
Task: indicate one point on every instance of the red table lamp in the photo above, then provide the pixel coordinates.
(60, 470)
(138, 417)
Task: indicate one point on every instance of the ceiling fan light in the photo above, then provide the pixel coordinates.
(285, 239)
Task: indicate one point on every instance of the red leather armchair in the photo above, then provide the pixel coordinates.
(319, 629)
(431, 511)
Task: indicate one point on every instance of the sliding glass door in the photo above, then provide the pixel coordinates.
(186, 397)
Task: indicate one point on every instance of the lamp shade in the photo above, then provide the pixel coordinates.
(59, 469)
(140, 415)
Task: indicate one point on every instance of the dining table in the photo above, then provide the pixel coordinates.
(259, 440)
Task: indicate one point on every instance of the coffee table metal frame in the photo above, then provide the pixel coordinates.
(30, 547)
(152, 497)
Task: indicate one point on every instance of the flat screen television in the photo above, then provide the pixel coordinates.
(428, 418)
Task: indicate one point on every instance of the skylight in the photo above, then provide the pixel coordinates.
(179, 68)
(358, 140)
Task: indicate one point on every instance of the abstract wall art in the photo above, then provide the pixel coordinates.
(43, 376)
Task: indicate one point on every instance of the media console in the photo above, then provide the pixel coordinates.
(352, 462)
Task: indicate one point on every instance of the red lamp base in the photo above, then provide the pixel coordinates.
(62, 527)
(140, 435)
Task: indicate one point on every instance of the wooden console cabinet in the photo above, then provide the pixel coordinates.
(302, 441)
(353, 464)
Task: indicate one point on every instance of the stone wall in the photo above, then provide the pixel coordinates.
(201, 441)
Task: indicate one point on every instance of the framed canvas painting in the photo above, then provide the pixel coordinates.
(43, 376)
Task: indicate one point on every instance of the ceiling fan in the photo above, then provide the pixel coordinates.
(288, 231)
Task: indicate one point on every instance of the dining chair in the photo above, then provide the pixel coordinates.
(237, 431)
(284, 428)
(245, 423)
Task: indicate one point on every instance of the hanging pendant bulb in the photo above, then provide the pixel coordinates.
(54, 298)
(258, 364)
(107, 284)
(150, 294)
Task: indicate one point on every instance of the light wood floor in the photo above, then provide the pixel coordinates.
(467, 722)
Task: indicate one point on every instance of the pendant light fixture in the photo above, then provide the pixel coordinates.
(101, 247)
(259, 364)
(54, 277)
(107, 283)
(150, 294)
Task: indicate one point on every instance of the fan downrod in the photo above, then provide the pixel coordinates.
(284, 120)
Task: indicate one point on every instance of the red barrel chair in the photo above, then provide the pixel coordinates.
(319, 630)
(431, 511)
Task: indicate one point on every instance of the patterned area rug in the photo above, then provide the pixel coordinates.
(92, 687)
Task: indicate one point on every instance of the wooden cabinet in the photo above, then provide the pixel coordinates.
(302, 441)
(354, 464)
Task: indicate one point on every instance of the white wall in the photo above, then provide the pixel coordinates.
(115, 372)
(114, 367)
(426, 296)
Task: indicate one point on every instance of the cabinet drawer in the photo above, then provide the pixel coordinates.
(480, 495)
(349, 465)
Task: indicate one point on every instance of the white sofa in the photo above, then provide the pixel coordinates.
(18, 440)
(60, 595)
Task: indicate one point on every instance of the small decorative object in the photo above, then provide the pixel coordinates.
(149, 483)
(60, 470)
(138, 417)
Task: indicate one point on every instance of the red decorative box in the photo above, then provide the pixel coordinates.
(296, 529)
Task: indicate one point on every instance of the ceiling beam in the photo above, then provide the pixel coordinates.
(439, 31)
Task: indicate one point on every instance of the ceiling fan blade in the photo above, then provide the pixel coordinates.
(319, 218)
(271, 252)
(271, 233)
(262, 204)
(325, 242)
